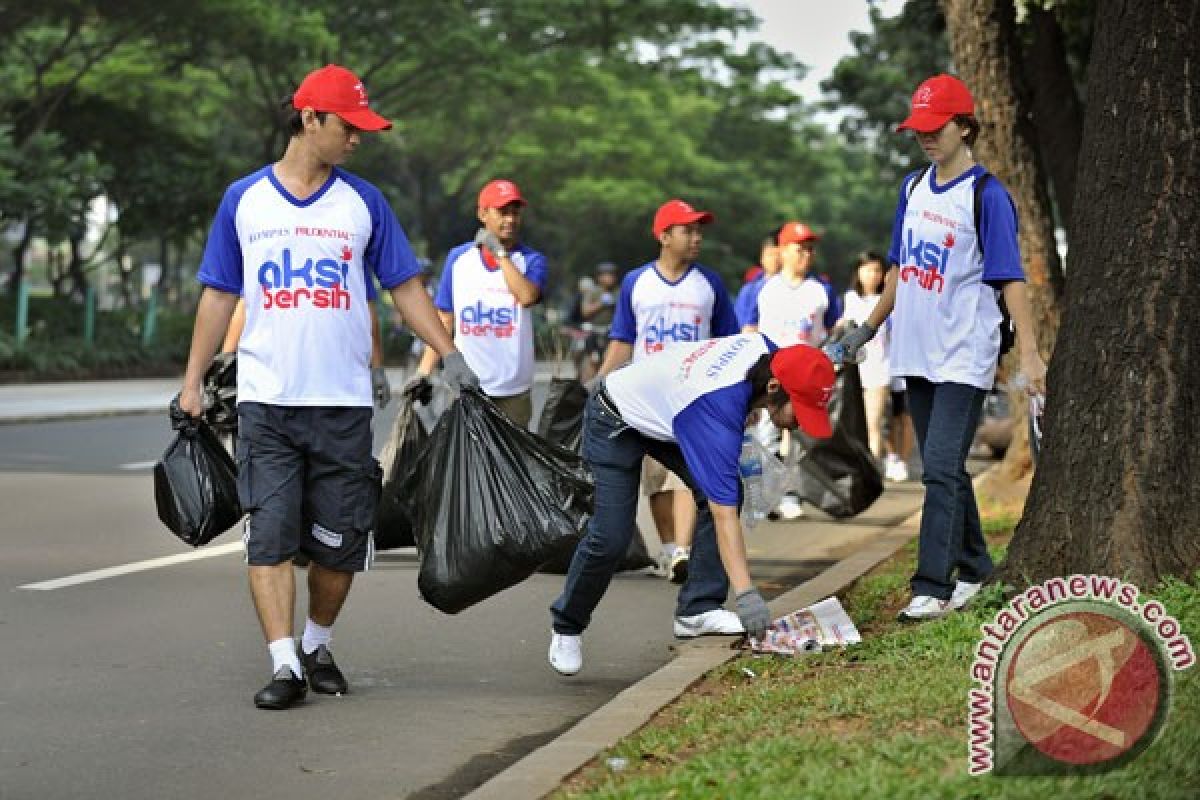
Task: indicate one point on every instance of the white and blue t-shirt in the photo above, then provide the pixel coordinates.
(698, 397)
(301, 267)
(492, 330)
(793, 313)
(653, 313)
(946, 322)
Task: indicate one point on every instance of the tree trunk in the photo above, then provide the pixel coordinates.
(18, 254)
(1116, 491)
(1057, 112)
(983, 40)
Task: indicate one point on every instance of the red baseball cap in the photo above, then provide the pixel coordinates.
(337, 89)
(796, 232)
(677, 212)
(807, 376)
(499, 193)
(937, 101)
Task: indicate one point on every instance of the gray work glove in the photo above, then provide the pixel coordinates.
(456, 372)
(594, 385)
(753, 612)
(486, 239)
(381, 390)
(848, 347)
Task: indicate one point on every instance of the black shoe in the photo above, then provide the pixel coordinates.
(284, 691)
(323, 674)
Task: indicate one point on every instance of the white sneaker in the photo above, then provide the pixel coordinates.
(566, 653)
(718, 622)
(677, 567)
(924, 607)
(790, 508)
(963, 592)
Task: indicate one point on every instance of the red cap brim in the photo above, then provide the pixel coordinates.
(365, 119)
(703, 217)
(925, 121)
(813, 421)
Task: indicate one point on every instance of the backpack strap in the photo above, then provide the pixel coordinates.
(916, 181)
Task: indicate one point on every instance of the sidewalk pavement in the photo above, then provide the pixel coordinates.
(43, 402)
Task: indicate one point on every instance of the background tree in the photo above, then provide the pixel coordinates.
(1116, 491)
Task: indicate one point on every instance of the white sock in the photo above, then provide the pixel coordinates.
(283, 654)
(314, 636)
(668, 550)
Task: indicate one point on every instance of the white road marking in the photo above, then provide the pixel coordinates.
(136, 566)
(139, 465)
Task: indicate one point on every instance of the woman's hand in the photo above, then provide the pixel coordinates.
(1032, 377)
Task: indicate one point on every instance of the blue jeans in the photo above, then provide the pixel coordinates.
(945, 416)
(615, 451)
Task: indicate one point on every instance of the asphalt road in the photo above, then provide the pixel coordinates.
(139, 685)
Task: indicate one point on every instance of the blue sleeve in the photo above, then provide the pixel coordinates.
(724, 318)
(833, 311)
(998, 235)
(624, 325)
(709, 433)
(372, 292)
(388, 253)
(898, 221)
(536, 269)
(443, 299)
(752, 303)
(741, 306)
(221, 266)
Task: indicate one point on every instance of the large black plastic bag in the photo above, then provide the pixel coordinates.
(839, 475)
(393, 525)
(561, 422)
(195, 482)
(490, 503)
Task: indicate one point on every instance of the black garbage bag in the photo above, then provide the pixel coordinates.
(561, 422)
(839, 474)
(401, 452)
(490, 502)
(195, 482)
(220, 389)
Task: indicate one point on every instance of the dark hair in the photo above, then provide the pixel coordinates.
(759, 375)
(971, 125)
(293, 122)
(866, 257)
(771, 240)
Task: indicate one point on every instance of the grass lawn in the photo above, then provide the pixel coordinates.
(885, 719)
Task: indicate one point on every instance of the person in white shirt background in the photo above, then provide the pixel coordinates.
(860, 301)
(485, 296)
(669, 301)
(792, 307)
(946, 332)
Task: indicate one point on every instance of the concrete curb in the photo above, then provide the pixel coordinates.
(544, 770)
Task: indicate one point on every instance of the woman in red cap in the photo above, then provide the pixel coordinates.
(954, 256)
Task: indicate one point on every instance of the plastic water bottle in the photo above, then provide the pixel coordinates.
(751, 467)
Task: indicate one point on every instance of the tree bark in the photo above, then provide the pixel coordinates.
(1057, 112)
(983, 41)
(1116, 490)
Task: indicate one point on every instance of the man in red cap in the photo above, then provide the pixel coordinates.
(487, 290)
(792, 307)
(302, 241)
(686, 406)
(668, 301)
